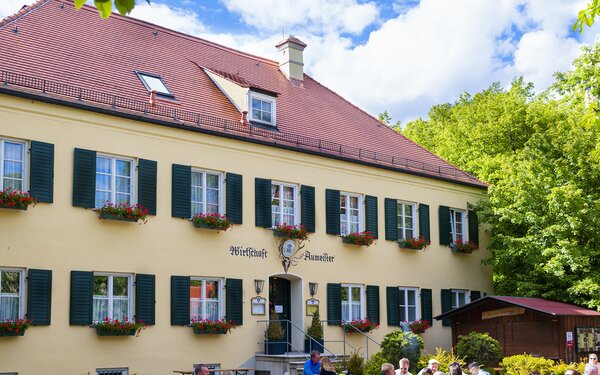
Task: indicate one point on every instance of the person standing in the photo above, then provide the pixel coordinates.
(387, 369)
(327, 367)
(201, 370)
(593, 360)
(403, 367)
(313, 366)
(475, 369)
(433, 365)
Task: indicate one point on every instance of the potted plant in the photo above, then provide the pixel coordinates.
(275, 343)
(14, 327)
(115, 327)
(297, 232)
(463, 247)
(122, 212)
(414, 243)
(214, 221)
(314, 338)
(359, 325)
(359, 239)
(419, 326)
(211, 327)
(16, 200)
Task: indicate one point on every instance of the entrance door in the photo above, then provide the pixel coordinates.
(279, 300)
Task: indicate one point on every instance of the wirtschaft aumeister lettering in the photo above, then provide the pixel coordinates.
(248, 252)
(319, 258)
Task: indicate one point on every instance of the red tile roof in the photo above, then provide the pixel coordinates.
(52, 41)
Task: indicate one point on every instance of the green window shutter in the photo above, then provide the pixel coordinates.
(393, 305)
(307, 206)
(234, 303)
(426, 305)
(332, 211)
(391, 219)
(233, 195)
(445, 231)
(371, 216)
(446, 295)
(41, 171)
(39, 296)
(424, 221)
(475, 295)
(81, 298)
(373, 303)
(181, 197)
(145, 293)
(262, 203)
(334, 304)
(147, 185)
(473, 227)
(180, 300)
(84, 178)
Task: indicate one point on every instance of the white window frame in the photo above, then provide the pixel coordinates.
(455, 297)
(25, 175)
(400, 220)
(350, 301)
(204, 279)
(264, 98)
(404, 304)
(347, 197)
(110, 292)
(204, 190)
(296, 202)
(463, 213)
(21, 271)
(113, 177)
(142, 76)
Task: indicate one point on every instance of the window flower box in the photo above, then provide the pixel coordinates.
(213, 221)
(14, 327)
(16, 200)
(414, 243)
(122, 212)
(418, 326)
(360, 325)
(463, 247)
(359, 239)
(297, 232)
(212, 327)
(115, 327)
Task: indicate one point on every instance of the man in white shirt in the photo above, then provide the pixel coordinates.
(433, 364)
(403, 367)
(476, 370)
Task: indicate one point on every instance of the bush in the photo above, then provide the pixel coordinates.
(445, 358)
(315, 330)
(373, 364)
(275, 331)
(561, 367)
(479, 347)
(397, 345)
(356, 364)
(524, 364)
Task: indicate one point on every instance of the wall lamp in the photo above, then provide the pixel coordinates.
(312, 288)
(258, 286)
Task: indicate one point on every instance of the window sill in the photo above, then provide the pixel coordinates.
(105, 216)
(105, 332)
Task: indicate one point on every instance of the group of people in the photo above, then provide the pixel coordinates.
(591, 368)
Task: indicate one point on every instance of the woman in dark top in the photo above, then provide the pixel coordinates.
(327, 367)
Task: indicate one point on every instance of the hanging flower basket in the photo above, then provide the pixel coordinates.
(463, 247)
(16, 200)
(122, 212)
(359, 239)
(14, 327)
(212, 327)
(297, 232)
(360, 325)
(414, 243)
(418, 326)
(213, 221)
(115, 327)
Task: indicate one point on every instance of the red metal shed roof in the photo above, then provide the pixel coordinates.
(51, 41)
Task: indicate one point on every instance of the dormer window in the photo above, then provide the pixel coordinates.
(154, 82)
(262, 108)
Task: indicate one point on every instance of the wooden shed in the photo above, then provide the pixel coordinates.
(530, 325)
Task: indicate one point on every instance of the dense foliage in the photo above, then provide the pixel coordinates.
(540, 154)
(397, 345)
(479, 347)
(445, 358)
(525, 364)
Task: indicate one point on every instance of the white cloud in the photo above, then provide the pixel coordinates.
(10, 7)
(183, 20)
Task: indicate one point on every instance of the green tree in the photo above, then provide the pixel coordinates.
(105, 7)
(587, 16)
(386, 119)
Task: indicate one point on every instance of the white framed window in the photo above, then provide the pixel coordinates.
(12, 293)
(206, 298)
(284, 204)
(459, 298)
(112, 296)
(409, 309)
(115, 182)
(111, 371)
(207, 192)
(154, 82)
(262, 108)
(350, 213)
(352, 302)
(13, 165)
(407, 220)
(458, 224)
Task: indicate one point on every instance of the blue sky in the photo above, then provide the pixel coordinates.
(402, 56)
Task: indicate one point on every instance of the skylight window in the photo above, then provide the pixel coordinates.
(154, 82)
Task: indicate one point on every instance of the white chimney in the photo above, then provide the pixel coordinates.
(291, 60)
